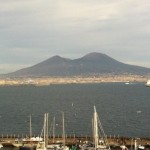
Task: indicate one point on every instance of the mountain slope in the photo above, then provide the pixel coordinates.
(93, 63)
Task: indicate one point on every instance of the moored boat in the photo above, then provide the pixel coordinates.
(123, 147)
(148, 83)
(99, 137)
(42, 144)
(26, 142)
(1, 145)
(59, 146)
(141, 147)
(29, 142)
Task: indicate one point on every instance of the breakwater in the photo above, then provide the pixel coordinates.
(73, 140)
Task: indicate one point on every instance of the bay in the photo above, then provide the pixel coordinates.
(124, 109)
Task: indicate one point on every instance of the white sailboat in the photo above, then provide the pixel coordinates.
(29, 142)
(56, 146)
(100, 140)
(64, 147)
(53, 145)
(99, 137)
(42, 144)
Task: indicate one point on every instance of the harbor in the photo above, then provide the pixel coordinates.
(98, 141)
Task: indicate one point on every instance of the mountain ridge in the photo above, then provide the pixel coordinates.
(91, 63)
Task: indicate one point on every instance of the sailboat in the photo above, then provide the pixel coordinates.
(29, 142)
(100, 140)
(57, 146)
(42, 144)
(53, 145)
(99, 137)
(64, 147)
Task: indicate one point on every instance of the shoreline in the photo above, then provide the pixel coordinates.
(40, 81)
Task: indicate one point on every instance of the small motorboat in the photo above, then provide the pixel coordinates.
(148, 83)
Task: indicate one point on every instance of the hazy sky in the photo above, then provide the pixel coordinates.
(33, 30)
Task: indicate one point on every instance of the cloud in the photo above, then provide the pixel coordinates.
(36, 29)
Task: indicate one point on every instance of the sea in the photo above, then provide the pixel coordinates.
(123, 109)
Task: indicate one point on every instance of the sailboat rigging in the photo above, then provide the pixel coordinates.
(42, 144)
(99, 137)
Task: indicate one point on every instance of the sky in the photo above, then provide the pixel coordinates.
(32, 31)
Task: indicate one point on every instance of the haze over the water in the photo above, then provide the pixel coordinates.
(33, 30)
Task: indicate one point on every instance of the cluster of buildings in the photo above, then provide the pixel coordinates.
(39, 81)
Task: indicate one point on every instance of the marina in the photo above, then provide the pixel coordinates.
(99, 140)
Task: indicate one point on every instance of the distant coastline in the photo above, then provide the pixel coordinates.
(39, 81)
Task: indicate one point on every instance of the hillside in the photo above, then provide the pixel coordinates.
(92, 63)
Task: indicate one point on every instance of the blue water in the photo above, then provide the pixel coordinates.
(124, 110)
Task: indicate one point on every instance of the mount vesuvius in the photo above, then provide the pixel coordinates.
(90, 64)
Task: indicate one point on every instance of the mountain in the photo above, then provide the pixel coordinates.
(92, 63)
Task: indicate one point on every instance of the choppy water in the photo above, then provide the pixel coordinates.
(124, 110)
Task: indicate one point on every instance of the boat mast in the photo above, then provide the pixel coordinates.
(135, 145)
(53, 129)
(47, 129)
(93, 129)
(95, 125)
(63, 129)
(30, 127)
